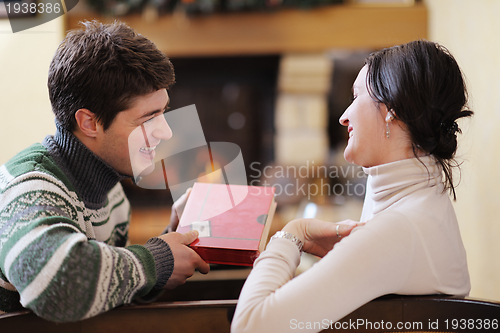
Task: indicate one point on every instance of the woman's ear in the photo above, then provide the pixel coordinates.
(86, 122)
(389, 116)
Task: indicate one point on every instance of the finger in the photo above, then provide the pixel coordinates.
(199, 264)
(344, 229)
(189, 237)
(182, 200)
(348, 222)
(174, 221)
(178, 208)
(202, 266)
(176, 212)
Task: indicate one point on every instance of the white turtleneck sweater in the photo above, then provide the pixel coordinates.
(410, 245)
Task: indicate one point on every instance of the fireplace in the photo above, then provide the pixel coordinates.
(235, 100)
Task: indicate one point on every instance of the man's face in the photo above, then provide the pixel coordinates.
(135, 133)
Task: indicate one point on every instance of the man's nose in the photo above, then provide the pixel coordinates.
(161, 129)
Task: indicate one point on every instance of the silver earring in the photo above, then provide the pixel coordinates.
(388, 119)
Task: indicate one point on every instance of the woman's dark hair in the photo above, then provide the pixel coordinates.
(422, 83)
(103, 68)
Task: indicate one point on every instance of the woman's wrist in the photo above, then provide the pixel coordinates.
(291, 237)
(294, 228)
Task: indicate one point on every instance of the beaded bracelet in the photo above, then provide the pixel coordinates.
(287, 235)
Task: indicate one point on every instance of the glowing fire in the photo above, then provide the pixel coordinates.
(212, 174)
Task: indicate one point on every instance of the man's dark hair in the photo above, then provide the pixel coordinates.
(103, 68)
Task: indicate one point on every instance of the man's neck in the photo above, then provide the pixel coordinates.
(90, 175)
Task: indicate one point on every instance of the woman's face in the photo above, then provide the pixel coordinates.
(365, 121)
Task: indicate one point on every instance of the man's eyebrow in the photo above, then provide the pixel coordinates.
(154, 112)
(150, 113)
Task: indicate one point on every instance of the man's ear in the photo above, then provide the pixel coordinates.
(86, 122)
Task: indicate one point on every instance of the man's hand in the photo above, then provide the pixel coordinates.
(318, 236)
(177, 209)
(186, 261)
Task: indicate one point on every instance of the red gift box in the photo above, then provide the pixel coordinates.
(233, 221)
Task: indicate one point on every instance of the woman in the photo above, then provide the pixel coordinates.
(402, 130)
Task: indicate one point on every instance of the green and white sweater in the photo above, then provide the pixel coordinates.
(63, 226)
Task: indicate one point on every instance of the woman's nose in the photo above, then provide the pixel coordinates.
(343, 120)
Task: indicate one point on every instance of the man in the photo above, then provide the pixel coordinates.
(63, 213)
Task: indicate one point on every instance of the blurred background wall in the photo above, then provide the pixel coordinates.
(26, 115)
(470, 29)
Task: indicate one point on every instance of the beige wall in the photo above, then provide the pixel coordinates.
(26, 116)
(471, 31)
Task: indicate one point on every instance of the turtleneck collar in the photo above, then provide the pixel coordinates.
(388, 183)
(91, 176)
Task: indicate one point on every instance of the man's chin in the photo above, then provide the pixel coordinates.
(147, 171)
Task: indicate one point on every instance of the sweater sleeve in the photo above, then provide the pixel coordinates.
(373, 261)
(164, 260)
(59, 273)
(62, 276)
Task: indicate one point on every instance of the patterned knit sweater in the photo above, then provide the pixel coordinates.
(63, 226)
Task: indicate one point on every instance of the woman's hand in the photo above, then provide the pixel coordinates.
(177, 209)
(318, 236)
